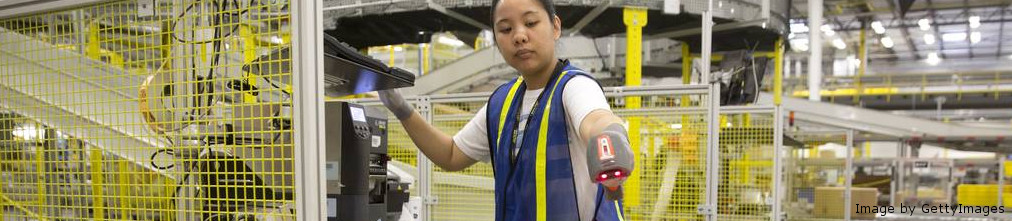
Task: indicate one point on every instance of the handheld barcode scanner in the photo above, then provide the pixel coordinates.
(610, 160)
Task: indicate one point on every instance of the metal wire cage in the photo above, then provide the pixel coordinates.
(166, 111)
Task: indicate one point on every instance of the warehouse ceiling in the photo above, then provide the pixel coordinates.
(403, 22)
(945, 29)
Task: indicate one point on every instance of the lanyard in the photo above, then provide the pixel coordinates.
(513, 142)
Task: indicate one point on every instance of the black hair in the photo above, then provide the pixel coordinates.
(546, 4)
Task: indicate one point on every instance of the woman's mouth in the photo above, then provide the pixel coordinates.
(524, 53)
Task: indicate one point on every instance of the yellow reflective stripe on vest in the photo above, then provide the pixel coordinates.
(541, 163)
(506, 108)
(618, 211)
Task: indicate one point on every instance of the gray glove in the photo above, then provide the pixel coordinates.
(610, 159)
(396, 103)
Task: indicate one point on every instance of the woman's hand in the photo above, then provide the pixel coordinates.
(393, 100)
(610, 159)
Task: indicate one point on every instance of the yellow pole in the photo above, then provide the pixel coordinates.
(249, 55)
(125, 203)
(634, 19)
(778, 72)
(97, 181)
(92, 47)
(425, 58)
(40, 172)
(861, 53)
(867, 149)
(391, 49)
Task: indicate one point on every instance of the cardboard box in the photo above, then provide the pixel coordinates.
(829, 202)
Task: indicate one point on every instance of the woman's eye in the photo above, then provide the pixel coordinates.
(505, 30)
(531, 24)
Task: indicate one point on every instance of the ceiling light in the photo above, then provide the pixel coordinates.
(799, 28)
(924, 23)
(839, 44)
(799, 44)
(828, 30)
(974, 37)
(956, 36)
(887, 42)
(398, 48)
(450, 41)
(877, 26)
(929, 39)
(974, 21)
(933, 58)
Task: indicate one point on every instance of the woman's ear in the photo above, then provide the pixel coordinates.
(557, 24)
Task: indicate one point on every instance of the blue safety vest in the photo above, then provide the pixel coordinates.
(538, 184)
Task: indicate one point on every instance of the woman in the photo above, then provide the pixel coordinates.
(535, 129)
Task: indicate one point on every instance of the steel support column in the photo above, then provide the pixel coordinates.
(815, 48)
(634, 19)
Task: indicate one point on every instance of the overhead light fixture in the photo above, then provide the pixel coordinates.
(974, 21)
(956, 36)
(799, 28)
(933, 58)
(799, 45)
(929, 39)
(974, 37)
(877, 26)
(398, 48)
(839, 44)
(732, 10)
(827, 30)
(887, 42)
(924, 23)
(449, 41)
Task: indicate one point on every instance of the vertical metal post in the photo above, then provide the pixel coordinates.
(898, 174)
(423, 105)
(421, 59)
(815, 47)
(712, 118)
(97, 184)
(634, 19)
(778, 72)
(309, 130)
(1001, 179)
(123, 180)
(848, 176)
(778, 166)
(862, 51)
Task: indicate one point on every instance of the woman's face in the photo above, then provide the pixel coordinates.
(525, 35)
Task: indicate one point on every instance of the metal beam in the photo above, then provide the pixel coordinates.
(698, 31)
(1001, 34)
(879, 122)
(458, 16)
(938, 34)
(587, 18)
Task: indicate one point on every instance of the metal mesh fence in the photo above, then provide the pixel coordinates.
(468, 194)
(174, 111)
(747, 153)
(668, 130)
(669, 133)
(815, 176)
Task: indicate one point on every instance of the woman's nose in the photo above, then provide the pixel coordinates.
(520, 37)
